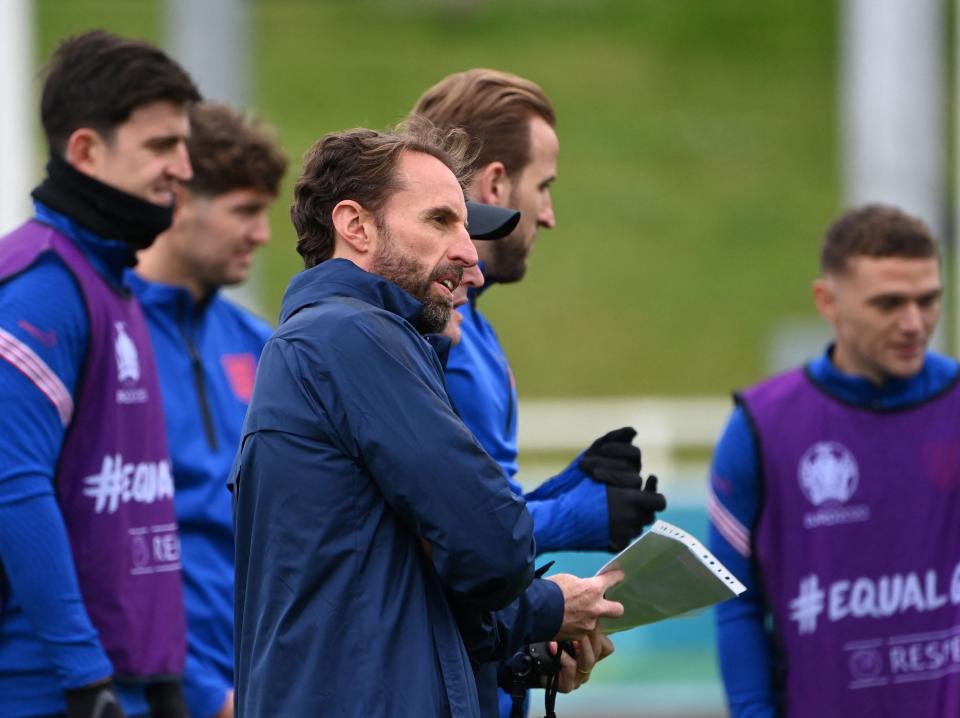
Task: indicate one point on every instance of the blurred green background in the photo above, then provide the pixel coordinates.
(697, 166)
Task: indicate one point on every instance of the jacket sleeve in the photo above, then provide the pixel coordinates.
(744, 647)
(430, 468)
(495, 636)
(570, 512)
(536, 616)
(577, 520)
(43, 336)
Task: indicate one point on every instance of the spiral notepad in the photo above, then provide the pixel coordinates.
(667, 573)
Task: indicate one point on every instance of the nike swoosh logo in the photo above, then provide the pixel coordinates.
(48, 338)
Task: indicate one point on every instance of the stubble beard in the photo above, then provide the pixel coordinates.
(508, 261)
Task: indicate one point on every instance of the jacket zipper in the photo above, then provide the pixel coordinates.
(510, 407)
(201, 387)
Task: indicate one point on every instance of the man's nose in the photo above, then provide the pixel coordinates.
(911, 319)
(260, 232)
(179, 166)
(546, 218)
(463, 250)
(472, 277)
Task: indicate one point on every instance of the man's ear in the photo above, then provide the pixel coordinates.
(491, 185)
(85, 150)
(825, 297)
(352, 228)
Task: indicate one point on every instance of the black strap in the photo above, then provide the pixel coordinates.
(553, 680)
(518, 692)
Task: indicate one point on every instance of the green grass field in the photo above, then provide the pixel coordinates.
(697, 167)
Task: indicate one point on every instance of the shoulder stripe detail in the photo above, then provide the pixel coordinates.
(33, 367)
(727, 524)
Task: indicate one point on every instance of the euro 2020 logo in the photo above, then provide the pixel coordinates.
(828, 472)
(128, 361)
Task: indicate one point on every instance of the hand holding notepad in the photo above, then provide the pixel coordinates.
(667, 573)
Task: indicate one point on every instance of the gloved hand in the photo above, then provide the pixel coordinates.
(630, 509)
(94, 701)
(613, 459)
(166, 700)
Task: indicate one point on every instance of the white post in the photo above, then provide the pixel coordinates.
(212, 40)
(17, 112)
(892, 99)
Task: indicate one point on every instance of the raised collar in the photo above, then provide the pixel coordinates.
(343, 278)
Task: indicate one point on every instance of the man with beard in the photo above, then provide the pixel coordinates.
(371, 527)
(599, 502)
(91, 609)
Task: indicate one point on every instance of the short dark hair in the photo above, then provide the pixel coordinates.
(97, 79)
(494, 108)
(230, 150)
(360, 165)
(875, 230)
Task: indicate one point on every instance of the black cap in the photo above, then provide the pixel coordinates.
(486, 221)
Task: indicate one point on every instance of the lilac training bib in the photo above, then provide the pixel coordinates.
(858, 546)
(113, 480)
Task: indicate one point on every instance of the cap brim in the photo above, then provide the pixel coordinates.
(485, 221)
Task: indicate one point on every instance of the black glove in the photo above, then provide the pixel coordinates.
(166, 700)
(613, 459)
(96, 701)
(630, 509)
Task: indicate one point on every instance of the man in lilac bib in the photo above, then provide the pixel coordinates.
(91, 606)
(835, 497)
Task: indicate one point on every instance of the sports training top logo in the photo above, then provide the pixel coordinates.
(128, 360)
(828, 472)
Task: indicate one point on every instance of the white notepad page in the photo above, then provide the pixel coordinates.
(668, 573)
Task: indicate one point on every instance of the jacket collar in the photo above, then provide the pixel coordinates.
(343, 278)
(168, 298)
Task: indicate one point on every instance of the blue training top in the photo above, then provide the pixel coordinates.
(206, 355)
(568, 512)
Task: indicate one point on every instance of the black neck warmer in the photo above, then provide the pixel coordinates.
(105, 210)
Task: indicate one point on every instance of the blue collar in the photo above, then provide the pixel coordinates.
(169, 298)
(474, 292)
(343, 278)
(109, 257)
(937, 374)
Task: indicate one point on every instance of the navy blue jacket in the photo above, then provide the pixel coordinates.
(206, 356)
(352, 465)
